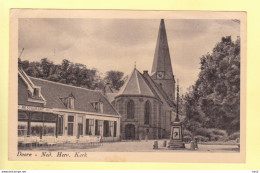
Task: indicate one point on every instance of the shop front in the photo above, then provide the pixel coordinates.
(35, 123)
(51, 113)
(79, 125)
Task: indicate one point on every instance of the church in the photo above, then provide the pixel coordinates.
(146, 102)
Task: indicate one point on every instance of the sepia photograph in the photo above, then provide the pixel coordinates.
(127, 86)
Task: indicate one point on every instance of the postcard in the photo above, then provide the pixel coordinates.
(127, 86)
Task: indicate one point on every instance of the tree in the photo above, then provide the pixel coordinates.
(47, 67)
(115, 78)
(216, 94)
(66, 72)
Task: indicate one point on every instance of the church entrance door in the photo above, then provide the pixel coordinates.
(130, 132)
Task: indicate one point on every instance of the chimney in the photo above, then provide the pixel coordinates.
(107, 88)
(145, 72)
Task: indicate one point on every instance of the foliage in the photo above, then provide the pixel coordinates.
(187, 139)
(218, 132)
(187, 133)
(201, 138)
(70, 73)
(187, 136)
(213, 102)
(234, 136)
(115, 78)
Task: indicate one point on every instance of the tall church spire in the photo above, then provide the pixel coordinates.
(162, 67)
(162, 60)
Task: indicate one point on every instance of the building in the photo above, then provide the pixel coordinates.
(47, 108)
(146, 101)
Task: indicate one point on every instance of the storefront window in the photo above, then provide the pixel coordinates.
(40, 124)
(22, 128)
(80, 126)
(89, 127)
(70, 125)
(110, 128)
(36, 128)
(99, 127)
(49, 129)
(96, 128)
(106, 129)
(60, 125)
(115, 127)
(43, 129)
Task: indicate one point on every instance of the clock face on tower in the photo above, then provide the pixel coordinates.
(160, 75)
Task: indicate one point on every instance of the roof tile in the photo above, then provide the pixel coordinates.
(53, 92)
(136, 85)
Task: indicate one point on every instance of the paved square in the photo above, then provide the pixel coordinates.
(135, 146)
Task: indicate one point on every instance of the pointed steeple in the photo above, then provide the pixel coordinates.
(162, 67)
(162, 60)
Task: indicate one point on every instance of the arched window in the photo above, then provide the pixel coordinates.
(130, 109)
(147, 112)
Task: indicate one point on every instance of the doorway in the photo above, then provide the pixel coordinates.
(130, 132)
(80, 130)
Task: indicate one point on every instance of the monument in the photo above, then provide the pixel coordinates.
(176, 138)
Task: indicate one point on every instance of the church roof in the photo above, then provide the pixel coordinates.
(162, 60)
(136, 85)
(158, 89)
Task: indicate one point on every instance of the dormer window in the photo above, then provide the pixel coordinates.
(98, 106)
(71, 103)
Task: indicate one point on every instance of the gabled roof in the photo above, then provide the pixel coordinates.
(31, 87)
(162, 60)
(54, 92)
(109, 89)
(136, 85)
(111, 96)
(26, 79)
(158, 90)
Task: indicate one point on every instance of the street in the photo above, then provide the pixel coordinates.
(136, 146)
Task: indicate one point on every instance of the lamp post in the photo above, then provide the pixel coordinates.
(176, 138)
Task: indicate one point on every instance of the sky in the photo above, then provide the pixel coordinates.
(116, 44)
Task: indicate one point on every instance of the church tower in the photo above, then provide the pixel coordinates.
(162, 68)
